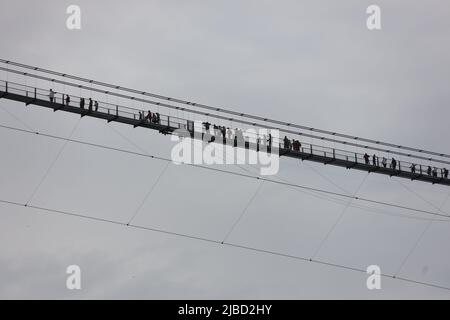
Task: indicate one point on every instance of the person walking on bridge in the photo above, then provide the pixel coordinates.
(51, 95)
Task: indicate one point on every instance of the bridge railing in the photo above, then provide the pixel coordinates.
(177, 122)
(104, 107)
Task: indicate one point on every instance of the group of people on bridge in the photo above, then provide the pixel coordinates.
(92, 104)
(150, 117)
(431, 171)
(238, 136)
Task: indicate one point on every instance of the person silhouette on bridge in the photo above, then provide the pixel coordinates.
(270, 140)
(229, 134)
(413, 168)
(394, 164)
(434, 172)
(82, 103)
(384, 162)
(296, 145)
(90, 104)
(67, 99)
(429, 171)
(374, 160)
(286, 142)
(51, 95)
(96, 105)
(445, 173)
(366, 158)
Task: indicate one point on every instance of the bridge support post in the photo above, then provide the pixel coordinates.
(6, 90)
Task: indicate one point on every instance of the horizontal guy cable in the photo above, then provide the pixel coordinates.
(227, 172)
(229, 244)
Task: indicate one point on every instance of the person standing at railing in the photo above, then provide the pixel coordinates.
(82, 103)
(434, 172)
(384, 162)
(229, 134)
(67, 100)
(366, 158)
(429, 171)
(286, 142)
(90, 104)
(270, 140)
(445, 173)
(413, 168)
(374, 160)
(96, 105)
(393, 164)
(296, 145)
(51, 95)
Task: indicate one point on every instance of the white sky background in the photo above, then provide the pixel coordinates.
(309, 62)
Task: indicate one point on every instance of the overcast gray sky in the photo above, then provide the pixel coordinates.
(310, 62)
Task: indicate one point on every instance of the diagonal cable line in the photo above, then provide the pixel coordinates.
(439, 209)
(326, 178)
(339, 218)
(250, 176)
(252, 198)
(343, 202)
(53, 163)
(234, 245)
(338, 201)
(419, 239)
(17, 118)
(138, 209)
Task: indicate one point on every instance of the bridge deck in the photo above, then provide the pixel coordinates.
(304, 154)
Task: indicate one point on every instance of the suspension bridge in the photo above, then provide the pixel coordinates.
(31, 85)
(329, 148)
